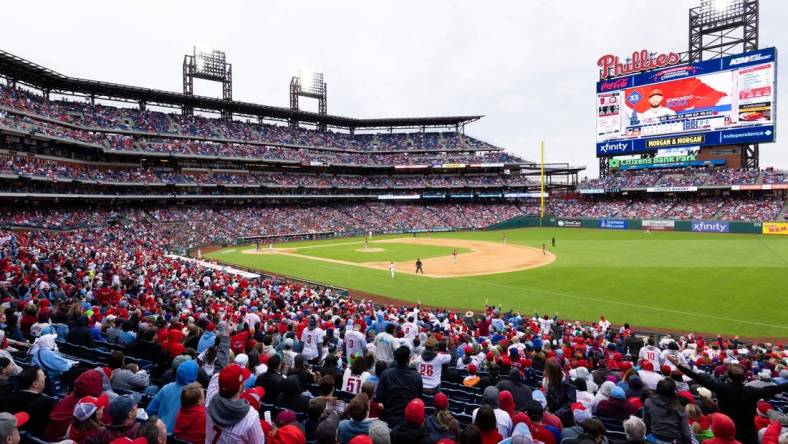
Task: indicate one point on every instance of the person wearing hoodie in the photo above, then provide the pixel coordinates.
(520, 435)
(207, 340)
(584, 374)
(123, 414)
(397, 386)
(603, 394)
(87, 384)
(724, 430)
(514, 385)
(442, 425)
(665, 419)
(167, 401)
(44, 354)
(292, 397)
(736, 400)
(502, 419)
(506, 402)
(357, 424)
(230, 419)
(617, 406)
(412, 431)
(190, 422)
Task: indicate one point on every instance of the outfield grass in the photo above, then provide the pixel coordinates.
(712, 283)
(345, 250)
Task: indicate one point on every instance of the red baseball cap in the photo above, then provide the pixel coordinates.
(655, 92)
(230, 380)
(87, 406)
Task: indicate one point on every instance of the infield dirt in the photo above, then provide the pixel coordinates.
(484, 258)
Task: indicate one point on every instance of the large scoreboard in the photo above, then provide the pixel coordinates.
(725, 101)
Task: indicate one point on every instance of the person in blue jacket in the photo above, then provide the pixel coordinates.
(167, 402)
(44, 354)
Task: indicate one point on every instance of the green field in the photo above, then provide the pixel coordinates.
(690, 282)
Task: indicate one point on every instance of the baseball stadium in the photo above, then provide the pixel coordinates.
(179, 268)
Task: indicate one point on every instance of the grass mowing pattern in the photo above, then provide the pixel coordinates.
(346, 251)
(714, 283)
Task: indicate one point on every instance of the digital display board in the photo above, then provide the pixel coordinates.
(725, 101)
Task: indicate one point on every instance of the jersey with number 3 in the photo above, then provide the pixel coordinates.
(355, 342)
(313, 340)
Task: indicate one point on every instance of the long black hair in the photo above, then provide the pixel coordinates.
(666, 388)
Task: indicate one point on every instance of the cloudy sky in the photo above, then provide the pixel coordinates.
(528, 66)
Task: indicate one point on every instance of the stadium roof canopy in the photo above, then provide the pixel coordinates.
(28, 72)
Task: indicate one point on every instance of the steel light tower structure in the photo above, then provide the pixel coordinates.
(719, 28)
(311, 85)
(207, 65)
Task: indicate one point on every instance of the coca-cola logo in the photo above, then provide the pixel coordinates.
(611, 66)
(615, 84)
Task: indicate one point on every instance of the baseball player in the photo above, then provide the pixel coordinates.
(544, 248)
(418, 266)
(391, 269)
(454, 255)
(656, 111)
(553, 242)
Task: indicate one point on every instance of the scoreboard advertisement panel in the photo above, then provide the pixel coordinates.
(724, 101)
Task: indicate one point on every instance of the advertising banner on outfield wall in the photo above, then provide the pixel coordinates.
(716, 226)
(658, 225)
(613, 224)
(775, 228)
(570, 223)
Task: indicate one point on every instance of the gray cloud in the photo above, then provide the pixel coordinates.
(529, 66)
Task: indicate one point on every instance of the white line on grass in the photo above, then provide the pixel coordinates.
(626, 304)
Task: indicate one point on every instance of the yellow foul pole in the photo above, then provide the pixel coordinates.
(541, 181)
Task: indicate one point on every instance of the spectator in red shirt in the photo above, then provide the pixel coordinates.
(190, 422)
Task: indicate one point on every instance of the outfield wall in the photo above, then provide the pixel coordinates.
(698, 226)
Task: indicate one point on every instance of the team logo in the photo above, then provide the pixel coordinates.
(634, 97)
(613, 148)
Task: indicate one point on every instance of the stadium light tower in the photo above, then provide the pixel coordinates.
(308, 84)
(207, 65)
(719, 28)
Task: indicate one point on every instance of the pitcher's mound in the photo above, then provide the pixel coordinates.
(370, 250)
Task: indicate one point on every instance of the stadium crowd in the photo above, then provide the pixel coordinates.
(29, 166)
(108, 340)
(628, 179)
(128, 129)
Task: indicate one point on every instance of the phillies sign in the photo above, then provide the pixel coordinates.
(611, 65)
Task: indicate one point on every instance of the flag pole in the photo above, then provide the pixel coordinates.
(541, 188)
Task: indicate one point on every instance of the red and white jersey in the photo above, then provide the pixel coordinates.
(430, 371)
(652, 354)
(410, 330)
(352, 383)
(355, 342)
(545, 325)
(313, 341)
